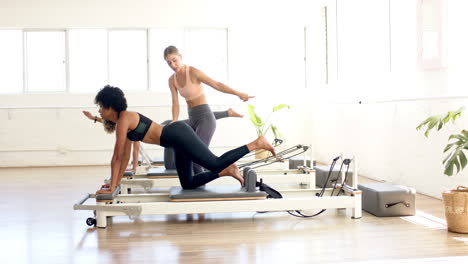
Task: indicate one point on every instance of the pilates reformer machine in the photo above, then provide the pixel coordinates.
(162, 177)
(255, 196)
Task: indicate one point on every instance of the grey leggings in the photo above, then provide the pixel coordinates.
(203, 121)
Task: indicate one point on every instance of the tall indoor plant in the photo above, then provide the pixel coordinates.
(262, 127)
(455, 201)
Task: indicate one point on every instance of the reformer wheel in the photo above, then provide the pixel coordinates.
(91, 221)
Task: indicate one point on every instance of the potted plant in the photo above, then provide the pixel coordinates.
(263, 127)
(456, 200)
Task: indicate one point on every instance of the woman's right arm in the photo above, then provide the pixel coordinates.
(175, 101)
(91, 117)
(118, 158)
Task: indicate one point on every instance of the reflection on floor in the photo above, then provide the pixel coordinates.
(38, 225)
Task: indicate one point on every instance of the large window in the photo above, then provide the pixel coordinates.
(363, 47)
(11, 62)
(84, 60)
(204, 49)
(45, 61)
(88, 60)
(207, 51)
(128, 59)
(159, 40)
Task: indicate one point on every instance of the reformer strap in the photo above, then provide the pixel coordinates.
(272, 193)
(298, 213)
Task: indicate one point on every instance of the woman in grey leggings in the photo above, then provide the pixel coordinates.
(187, 81)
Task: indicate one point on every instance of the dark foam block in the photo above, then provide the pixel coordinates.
(214, 193)
(129, 173)
(108, 196)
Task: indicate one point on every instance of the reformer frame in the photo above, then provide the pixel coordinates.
(134, 205)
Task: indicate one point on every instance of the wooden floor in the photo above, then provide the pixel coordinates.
(39, 225)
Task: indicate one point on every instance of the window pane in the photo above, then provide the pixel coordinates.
(127, 59)
(11, 62)
(363, 47)
(45, 61)
(207, 51)
(88, 60)
(159, 40)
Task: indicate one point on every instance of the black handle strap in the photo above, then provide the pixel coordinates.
(393, 204)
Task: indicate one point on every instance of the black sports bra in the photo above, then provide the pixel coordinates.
(139, 132)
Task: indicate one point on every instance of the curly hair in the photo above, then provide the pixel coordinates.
(109, 126)
(114, 97)
(110, 96)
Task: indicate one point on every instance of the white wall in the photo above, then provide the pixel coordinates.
(265, 49)
(265, 45)
(381, 132)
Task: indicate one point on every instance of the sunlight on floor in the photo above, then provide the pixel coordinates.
(451, 260)
(462, 239)
(426, 220)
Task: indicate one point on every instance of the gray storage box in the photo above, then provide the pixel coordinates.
(321, 174)
(385, 199)
(294, 162)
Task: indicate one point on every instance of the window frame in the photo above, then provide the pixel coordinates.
(25, 60)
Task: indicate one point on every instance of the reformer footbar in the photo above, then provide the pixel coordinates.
(280, 156)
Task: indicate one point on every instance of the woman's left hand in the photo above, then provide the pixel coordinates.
(245, 97)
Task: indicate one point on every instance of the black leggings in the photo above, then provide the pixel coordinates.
(203, 127)
(189, 148)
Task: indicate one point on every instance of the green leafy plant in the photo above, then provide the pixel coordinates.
(456, 157)
(263, 127)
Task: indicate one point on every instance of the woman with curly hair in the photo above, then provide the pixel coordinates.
(132, 126)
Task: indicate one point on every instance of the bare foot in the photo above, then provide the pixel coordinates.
(234, 172)
(232, 113)
(264, 144)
